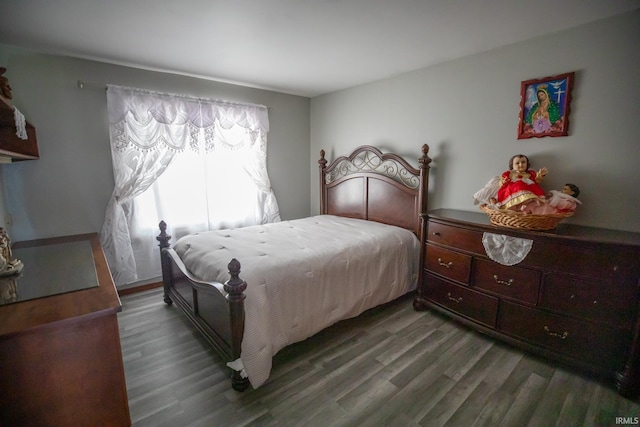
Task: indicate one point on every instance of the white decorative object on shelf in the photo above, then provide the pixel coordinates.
(8, 265)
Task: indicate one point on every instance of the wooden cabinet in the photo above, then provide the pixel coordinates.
(60, 355)
(574, 298)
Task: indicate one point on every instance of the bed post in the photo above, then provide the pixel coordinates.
(234, 287)
(423, 202)
(164, 238)
(322, 164)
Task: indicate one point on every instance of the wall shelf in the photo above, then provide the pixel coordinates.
(13, 148)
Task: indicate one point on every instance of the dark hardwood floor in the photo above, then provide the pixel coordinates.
(391, 366)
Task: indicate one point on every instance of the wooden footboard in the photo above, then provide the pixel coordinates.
(215, 309)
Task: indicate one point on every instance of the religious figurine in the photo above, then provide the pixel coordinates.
(6, 96)
(5, 89)
(515, 189)
(520, 186)
(8, 264)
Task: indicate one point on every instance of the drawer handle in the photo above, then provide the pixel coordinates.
(454, 299)
(445, 264)
(436, 233)
(502, 282)
(595, 301)
(562, 336)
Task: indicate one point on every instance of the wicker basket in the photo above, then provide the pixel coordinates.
(513, 219)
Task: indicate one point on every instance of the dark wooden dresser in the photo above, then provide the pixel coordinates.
(60, 355)
(574, 298)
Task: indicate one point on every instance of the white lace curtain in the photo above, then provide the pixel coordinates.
(212, 154)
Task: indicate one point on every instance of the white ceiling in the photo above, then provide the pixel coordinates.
(301, 47)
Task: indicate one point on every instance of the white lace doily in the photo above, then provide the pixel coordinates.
(506, 250)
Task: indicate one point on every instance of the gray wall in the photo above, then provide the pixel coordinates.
(67, 189)
(467, 111)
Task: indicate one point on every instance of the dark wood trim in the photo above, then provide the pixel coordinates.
(139, 288)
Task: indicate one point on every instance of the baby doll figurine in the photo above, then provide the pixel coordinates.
(565, 200)
(559, 201)
(519, 186)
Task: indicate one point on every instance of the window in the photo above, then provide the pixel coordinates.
(196, 164)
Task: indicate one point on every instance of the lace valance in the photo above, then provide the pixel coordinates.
(146, 119)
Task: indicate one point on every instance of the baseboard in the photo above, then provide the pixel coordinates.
(139, 288)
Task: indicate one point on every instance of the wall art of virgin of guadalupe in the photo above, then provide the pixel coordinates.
(544, 106)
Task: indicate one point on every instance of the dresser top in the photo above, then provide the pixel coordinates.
(71, 280)
(563, 231)
(52, 269)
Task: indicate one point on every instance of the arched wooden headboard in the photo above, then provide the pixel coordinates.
(374, 186)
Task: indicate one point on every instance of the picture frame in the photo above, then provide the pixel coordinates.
(554, 95)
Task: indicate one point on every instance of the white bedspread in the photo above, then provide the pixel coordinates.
(304, 275)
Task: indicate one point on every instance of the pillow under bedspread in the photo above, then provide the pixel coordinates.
(304, 275)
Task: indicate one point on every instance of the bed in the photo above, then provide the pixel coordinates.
(299, 277)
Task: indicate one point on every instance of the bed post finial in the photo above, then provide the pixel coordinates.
(235, 286)
(322, 162)
(425, 159)
(163, 237)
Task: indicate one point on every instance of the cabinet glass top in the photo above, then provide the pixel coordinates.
(50, 270)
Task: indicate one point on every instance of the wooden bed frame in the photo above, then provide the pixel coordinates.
(367, 185)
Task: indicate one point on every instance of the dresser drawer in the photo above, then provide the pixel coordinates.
(466, 302)
(596, 344)
(451, 264)
(510, 282)
(605, 302)
(605, 263)
(459, 238)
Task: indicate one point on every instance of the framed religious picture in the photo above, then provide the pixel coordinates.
(544, 106)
